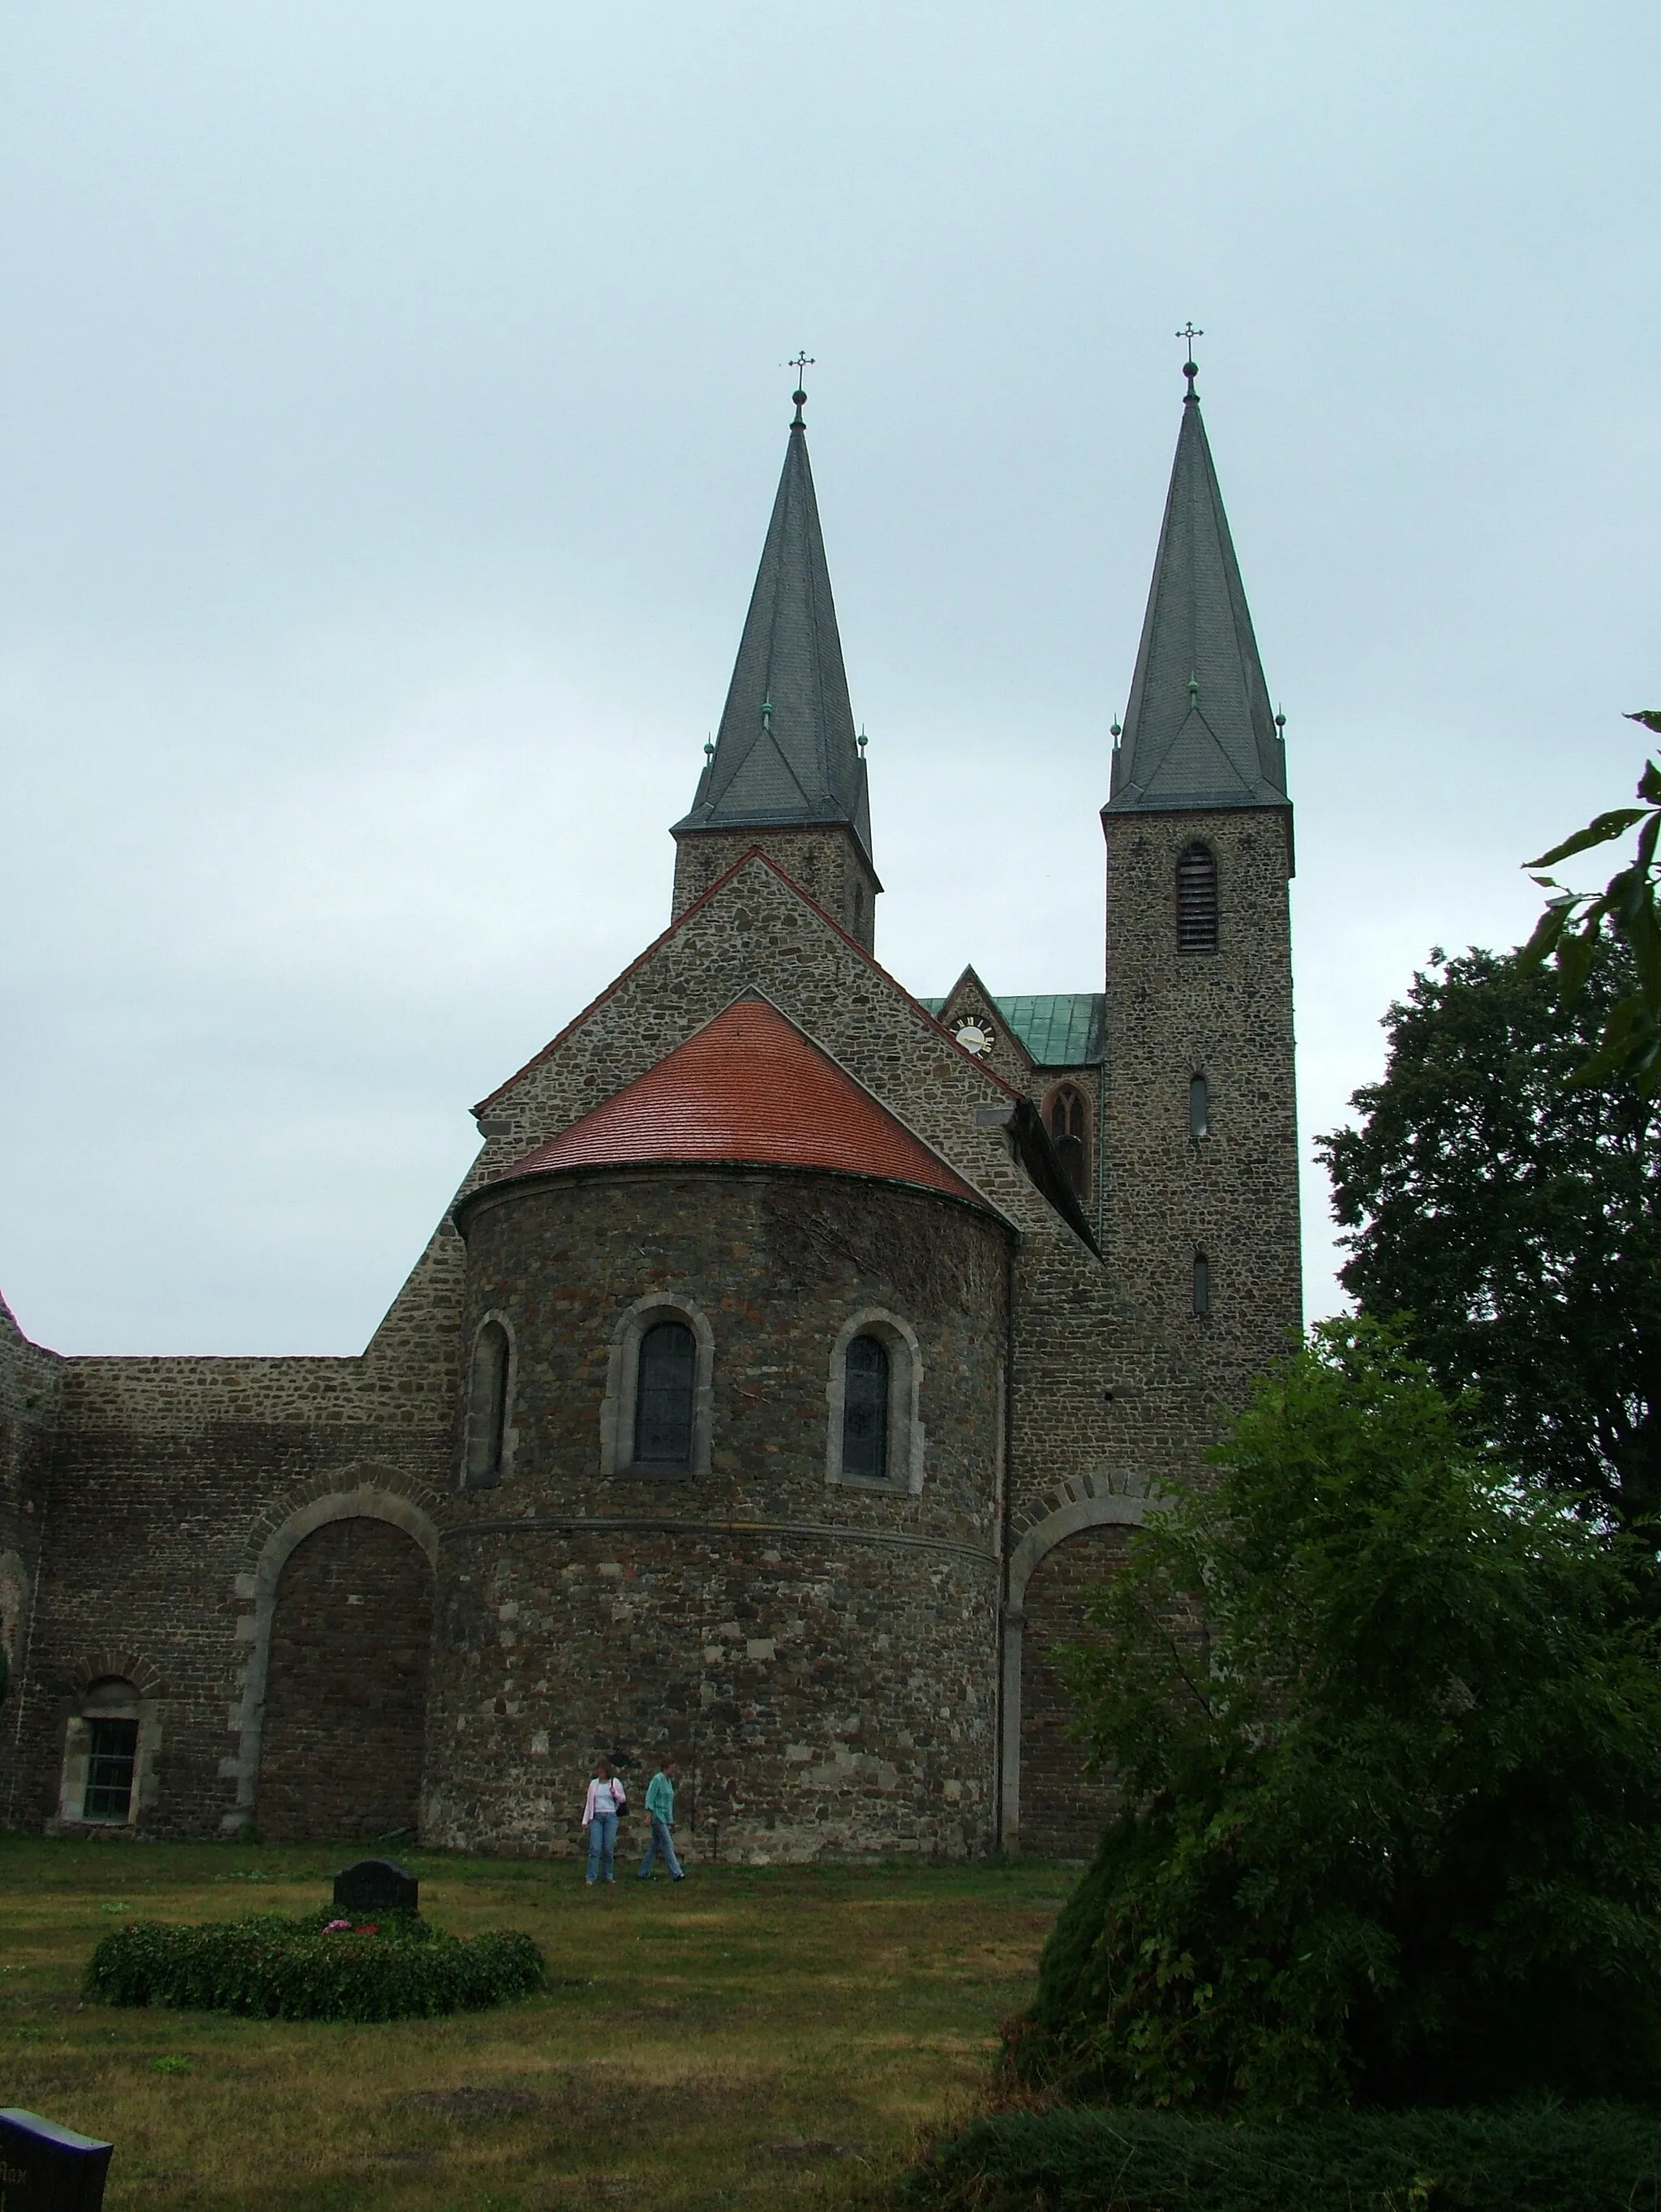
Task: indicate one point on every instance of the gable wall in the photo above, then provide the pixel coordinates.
(1075, 1333)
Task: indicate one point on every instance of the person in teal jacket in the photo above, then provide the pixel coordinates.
(660, 1809)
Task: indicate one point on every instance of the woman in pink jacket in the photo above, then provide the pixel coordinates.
(606, 1799)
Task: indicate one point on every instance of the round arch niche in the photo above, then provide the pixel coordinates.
(332, 1715)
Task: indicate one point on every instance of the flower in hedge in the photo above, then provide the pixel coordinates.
(333, 1924)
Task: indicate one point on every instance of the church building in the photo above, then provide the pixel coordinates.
(795, 1356)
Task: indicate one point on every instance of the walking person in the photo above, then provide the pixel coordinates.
(605, 1800)
(660, 1807)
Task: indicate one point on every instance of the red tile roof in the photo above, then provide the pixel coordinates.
(748, 1086)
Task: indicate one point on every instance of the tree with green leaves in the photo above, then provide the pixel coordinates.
(1577, 925)
(1511, 1217)
(1387, 1724)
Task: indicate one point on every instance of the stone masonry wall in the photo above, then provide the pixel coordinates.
(29, 1384)
(818, 1660)
(165, 1477)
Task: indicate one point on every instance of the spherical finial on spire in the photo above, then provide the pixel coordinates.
(801, 362)
(862, 741)
(1116, 729)
(1280, 718)
(709, 746)
(1189, 366)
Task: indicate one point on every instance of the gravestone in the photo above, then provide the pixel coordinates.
(376, 1886)
(46, 2168)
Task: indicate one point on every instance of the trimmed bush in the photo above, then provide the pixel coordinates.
(313, 1967)
(1595, 2159)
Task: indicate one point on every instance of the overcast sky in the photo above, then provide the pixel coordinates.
(390, 404)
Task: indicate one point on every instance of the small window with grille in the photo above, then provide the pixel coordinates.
(113, 1750)
(1068, 1125)
(1202, 1284)
(1199, 1106)
(1197, 899)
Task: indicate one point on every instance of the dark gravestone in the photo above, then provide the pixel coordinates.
(45, 2168)
(376, 1886)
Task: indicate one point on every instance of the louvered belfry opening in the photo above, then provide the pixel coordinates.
(1197, 899)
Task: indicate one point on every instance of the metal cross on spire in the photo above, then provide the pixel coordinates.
(1189, 366)
(801, 362)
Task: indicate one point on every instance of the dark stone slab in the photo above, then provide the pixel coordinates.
(46, 2168)
(377, 1885)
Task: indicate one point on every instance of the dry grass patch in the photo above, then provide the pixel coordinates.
(744, 2039)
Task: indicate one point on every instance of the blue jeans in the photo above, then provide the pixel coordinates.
(660, 1842)
(602, 1843)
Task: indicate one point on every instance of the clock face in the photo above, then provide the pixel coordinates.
(974, 1036)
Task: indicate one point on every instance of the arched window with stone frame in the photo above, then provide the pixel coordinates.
(875, 1439)
(656, 1413)
(489, 1441)
(1068, 1120)
(1196, 898)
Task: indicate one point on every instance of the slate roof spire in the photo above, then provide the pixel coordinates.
(786, 754)
(1199, 731)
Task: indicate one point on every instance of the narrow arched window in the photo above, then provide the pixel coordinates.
(1067, 1126)
(1199, 1106)
(1197, 899)
(1202, 1284)
(665, 1387)
(487, 1407)
(865, 1410)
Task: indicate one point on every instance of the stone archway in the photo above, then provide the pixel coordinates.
(1062, 1554)
(396, 1571)
(345, 1709)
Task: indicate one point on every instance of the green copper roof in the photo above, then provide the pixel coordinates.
(1057, 1029)
(1199, 731)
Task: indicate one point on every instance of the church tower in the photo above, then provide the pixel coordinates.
(785, 771)
(1201, 1121)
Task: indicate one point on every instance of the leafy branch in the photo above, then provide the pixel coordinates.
(1570, 930)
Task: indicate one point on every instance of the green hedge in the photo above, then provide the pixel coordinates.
(1604, 2158)
(395, 1967)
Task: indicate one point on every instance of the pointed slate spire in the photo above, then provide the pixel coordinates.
(1199, 731)
(785, 753)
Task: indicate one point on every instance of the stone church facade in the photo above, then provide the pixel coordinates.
(795, 1356)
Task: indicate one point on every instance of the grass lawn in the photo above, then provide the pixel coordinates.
(750, 2037)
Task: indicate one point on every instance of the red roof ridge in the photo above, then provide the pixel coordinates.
(749, 1087)
(751, 853)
